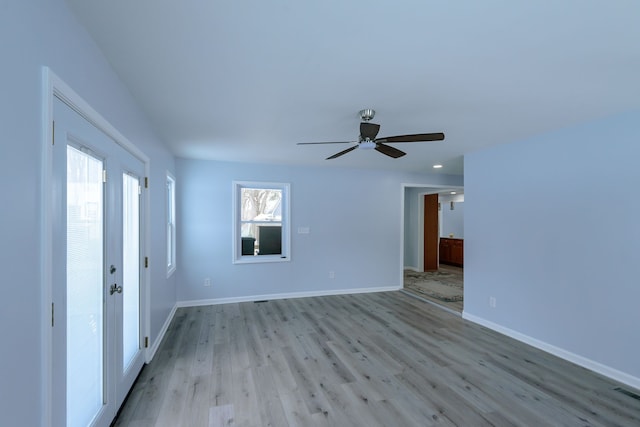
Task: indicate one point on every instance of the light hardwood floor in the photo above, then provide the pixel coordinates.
(382, 359)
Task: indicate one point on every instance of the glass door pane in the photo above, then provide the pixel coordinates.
(85, 280)
(131, 268)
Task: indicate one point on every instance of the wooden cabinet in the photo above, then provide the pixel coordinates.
(452, 251)
(445, 251)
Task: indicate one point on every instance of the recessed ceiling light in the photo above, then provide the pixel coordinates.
(453, 192)
(437, 166)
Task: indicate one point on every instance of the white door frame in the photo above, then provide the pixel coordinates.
(52, 86)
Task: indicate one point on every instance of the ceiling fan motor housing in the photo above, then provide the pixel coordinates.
(369, 131)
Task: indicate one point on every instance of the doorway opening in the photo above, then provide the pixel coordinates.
(433, 246)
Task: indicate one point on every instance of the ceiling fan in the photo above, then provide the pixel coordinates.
(368, 140)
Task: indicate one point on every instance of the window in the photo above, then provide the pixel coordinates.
(261, 222)
(171, 224)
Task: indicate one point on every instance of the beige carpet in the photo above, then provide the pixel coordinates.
(444, 286)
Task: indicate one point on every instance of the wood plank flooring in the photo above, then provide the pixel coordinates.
(383, 359)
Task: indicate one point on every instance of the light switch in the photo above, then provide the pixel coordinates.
(303, 230)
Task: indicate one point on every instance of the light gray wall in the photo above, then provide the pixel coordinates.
(354, 218)
(412, 226)
(36, 33)
(553, 233)
(452, 221)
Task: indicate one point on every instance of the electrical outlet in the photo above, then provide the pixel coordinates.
(492, 302)
(332, 275)
(207, 282)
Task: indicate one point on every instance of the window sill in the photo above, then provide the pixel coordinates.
(259, 259)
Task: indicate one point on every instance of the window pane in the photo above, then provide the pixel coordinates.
(169, 246)
(269, 239)
(171, 223)
(85, 261)
(169, 207)
(261, 222)
(131, 268)
(259, 204)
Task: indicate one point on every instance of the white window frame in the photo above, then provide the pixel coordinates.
(285, 256)
(170, 194)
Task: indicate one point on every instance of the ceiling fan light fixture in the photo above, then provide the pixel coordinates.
(367, 144)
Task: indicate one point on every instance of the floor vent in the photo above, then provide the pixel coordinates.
(628, 393)
(261, 301)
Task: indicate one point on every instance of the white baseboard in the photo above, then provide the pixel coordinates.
(251, 298)
(151, 352)
(601, 369)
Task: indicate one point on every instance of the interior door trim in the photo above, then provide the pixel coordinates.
(53, 86)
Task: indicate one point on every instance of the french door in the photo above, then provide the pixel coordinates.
(97, 274)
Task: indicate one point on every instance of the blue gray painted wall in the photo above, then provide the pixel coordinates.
(412, 226)
(354, 219)
(552, 231)
(452, 221)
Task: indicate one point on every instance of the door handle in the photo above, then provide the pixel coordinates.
(115, 288)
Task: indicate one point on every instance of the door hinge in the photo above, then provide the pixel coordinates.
(146, 182)
(104, 175)
(53, 132)
(52, 314)
(146, 342)
(146, 262)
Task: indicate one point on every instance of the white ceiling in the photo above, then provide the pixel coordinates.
(245, 80)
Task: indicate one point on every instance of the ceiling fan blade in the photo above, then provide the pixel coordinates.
(389, 150)
(342, 152)
(369, 130)
(419, 137)
(331, 142)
